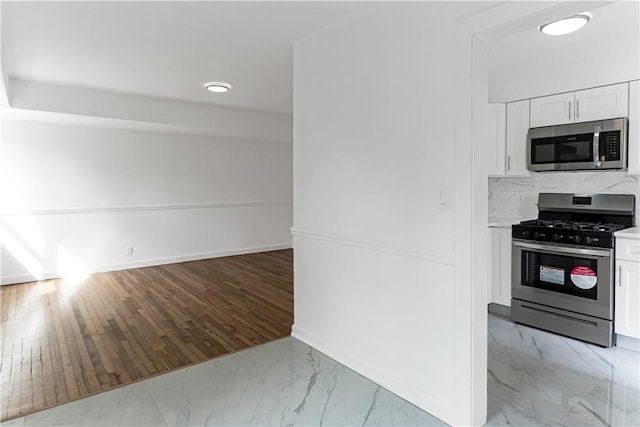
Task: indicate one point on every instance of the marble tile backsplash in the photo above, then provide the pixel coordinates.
(513, 199)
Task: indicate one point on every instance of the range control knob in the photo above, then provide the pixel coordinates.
(576, 239)
(588, 240)
(557, 237)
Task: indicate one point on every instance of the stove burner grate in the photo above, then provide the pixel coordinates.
(573, 225)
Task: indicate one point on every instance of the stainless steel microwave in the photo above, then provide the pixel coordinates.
(578, 146)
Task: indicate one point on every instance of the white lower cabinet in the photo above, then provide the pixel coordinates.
(627, 291)
(500, 277)
(627, 321)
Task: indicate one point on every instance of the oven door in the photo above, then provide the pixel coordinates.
(572, 278)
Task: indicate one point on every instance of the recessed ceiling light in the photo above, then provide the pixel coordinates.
(566, 25)
(218, 87)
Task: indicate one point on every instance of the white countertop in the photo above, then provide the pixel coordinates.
(501, 224)
(629, 233)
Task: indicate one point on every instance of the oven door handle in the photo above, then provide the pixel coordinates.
(562, 250)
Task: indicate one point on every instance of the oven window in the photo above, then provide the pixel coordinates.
(577, 148)
(558, 273)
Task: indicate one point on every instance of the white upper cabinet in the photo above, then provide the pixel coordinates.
(516, 135)
(552, 110)
(495, 134)
(634, 127)
(606, 102)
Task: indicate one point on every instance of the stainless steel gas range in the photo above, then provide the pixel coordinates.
(563, 264)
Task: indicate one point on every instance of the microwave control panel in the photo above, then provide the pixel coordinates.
(610, 146)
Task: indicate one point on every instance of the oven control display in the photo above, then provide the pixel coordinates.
(584, 277)
(552, 274)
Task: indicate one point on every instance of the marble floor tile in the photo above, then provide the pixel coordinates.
(539, 378)
(127, 405)
(608, 404)
(282, 383)
(556, 351)
(514, 411)
(18, 422)
(534, 378)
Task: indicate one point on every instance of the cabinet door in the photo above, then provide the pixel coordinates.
(495, 128)
(501, 265)
(607, 102)
(627, 310)
(552, 110)
(634, 125)
(516, 138)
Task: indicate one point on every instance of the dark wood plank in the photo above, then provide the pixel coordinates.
(62, 343)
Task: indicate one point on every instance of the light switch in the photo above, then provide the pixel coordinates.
(443, 198)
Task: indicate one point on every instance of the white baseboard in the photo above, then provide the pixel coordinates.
(629, 343)
(10, 280)
(435, 407)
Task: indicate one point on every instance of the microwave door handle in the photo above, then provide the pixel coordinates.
(596, 147)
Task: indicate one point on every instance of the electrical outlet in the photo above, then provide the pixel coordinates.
(129, 250)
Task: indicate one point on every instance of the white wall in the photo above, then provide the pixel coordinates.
(383, 103)
(4, 78)
(529, 64)
(79, 190)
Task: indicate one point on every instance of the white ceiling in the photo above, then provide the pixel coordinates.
(165, 49)
(170, 49)
(529, 64)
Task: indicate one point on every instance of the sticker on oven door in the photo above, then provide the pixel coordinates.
(552, 274)
(584, 277)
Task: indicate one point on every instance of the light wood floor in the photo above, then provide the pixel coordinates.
(62, 341)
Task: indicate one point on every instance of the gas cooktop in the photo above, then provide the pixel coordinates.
(574, 225)
(572, 219)
(567, 232)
